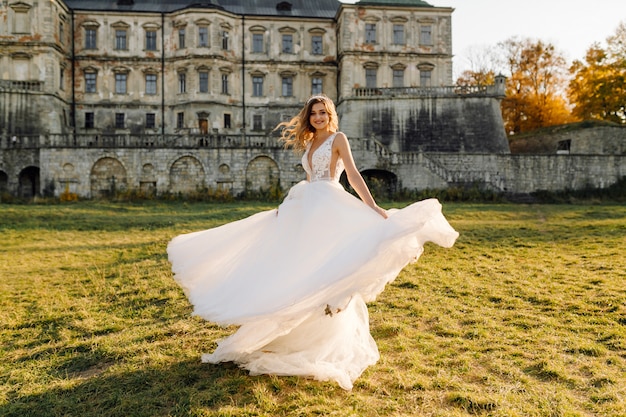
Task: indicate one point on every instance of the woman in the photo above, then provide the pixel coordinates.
(296, 279)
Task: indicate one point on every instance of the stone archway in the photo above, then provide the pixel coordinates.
(107, 177)
(28, 182)
(186, 175)
(262, 173)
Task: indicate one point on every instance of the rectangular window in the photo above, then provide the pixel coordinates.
(226, 121)
(90, 82)
(120, 121)
(257, 122)
(257, 86)
(151, 40)
(224, 83)
(426, 35)
(398, 34)
(425, 78)
(370, 33)
(257, 43)
(398, 78)
(182, 82)
(181, 38)
(151, 84)
(203, 36)
(89, 120)
(370, 77)
(316, 86)
(203, 81)
(287, 86)
(287, 44)
(61, 78)
(120, 39)
(150, 120)
(120, 83)
(61, 32)
(90, 39)
(316, 45)
(180, 120)
(225, 36)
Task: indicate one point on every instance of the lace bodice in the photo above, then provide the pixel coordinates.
(321, 160)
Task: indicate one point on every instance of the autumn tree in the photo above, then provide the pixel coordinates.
(535, 87)
(598, 87)
(482, 65)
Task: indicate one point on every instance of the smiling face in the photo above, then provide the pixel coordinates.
(319, 117)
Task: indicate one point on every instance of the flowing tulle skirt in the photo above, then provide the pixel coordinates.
(296, 279)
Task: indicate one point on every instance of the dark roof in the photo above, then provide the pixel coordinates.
(295, 8)
(411, 3)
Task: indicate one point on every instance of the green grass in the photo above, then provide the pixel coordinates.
(525, 316)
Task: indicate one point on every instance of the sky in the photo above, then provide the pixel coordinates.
(572, 26)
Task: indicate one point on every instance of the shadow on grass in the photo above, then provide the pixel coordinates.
(176, 389)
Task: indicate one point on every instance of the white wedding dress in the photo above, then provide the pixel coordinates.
(296, 279)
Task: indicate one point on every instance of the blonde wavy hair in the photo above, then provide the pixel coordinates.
(298, 131)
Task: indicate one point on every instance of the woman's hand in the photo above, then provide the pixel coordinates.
(381, 211)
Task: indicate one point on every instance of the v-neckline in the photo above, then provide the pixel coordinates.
(311, 151)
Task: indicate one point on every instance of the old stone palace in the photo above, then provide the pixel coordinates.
(178, 96)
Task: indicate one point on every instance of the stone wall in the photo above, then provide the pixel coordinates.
(97, 172)
(584, 138)
(436, 123)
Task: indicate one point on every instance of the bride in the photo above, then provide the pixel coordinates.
(296, 279)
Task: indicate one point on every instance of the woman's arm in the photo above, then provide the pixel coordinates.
(342, 147)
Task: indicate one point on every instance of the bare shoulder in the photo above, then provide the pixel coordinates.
(340, 139)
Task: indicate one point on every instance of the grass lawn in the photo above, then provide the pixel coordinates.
(524, 316)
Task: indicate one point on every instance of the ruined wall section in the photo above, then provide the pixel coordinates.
(427, 124)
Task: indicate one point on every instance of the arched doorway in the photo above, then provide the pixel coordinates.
(186, 175)
(382, 184)
(107, 177)
(262, 174)
(4, 182)
(29, 182)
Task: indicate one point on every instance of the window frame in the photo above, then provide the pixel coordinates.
(258, 41)
(203, 81)
(315, 45)
(287, 43)
(121, 39)
(399, 34)
(151, 40)
(91, 38)
(257, 85)
(315, 82)
(121, 83)
(370, 33)
(225, 84)
(90, 120)
(203, 36)
(182, 83)
(286, 84)
(151, 84)
(91, 82)
(150, 120)
(182, 33)
(426, 35)
(120, 120)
